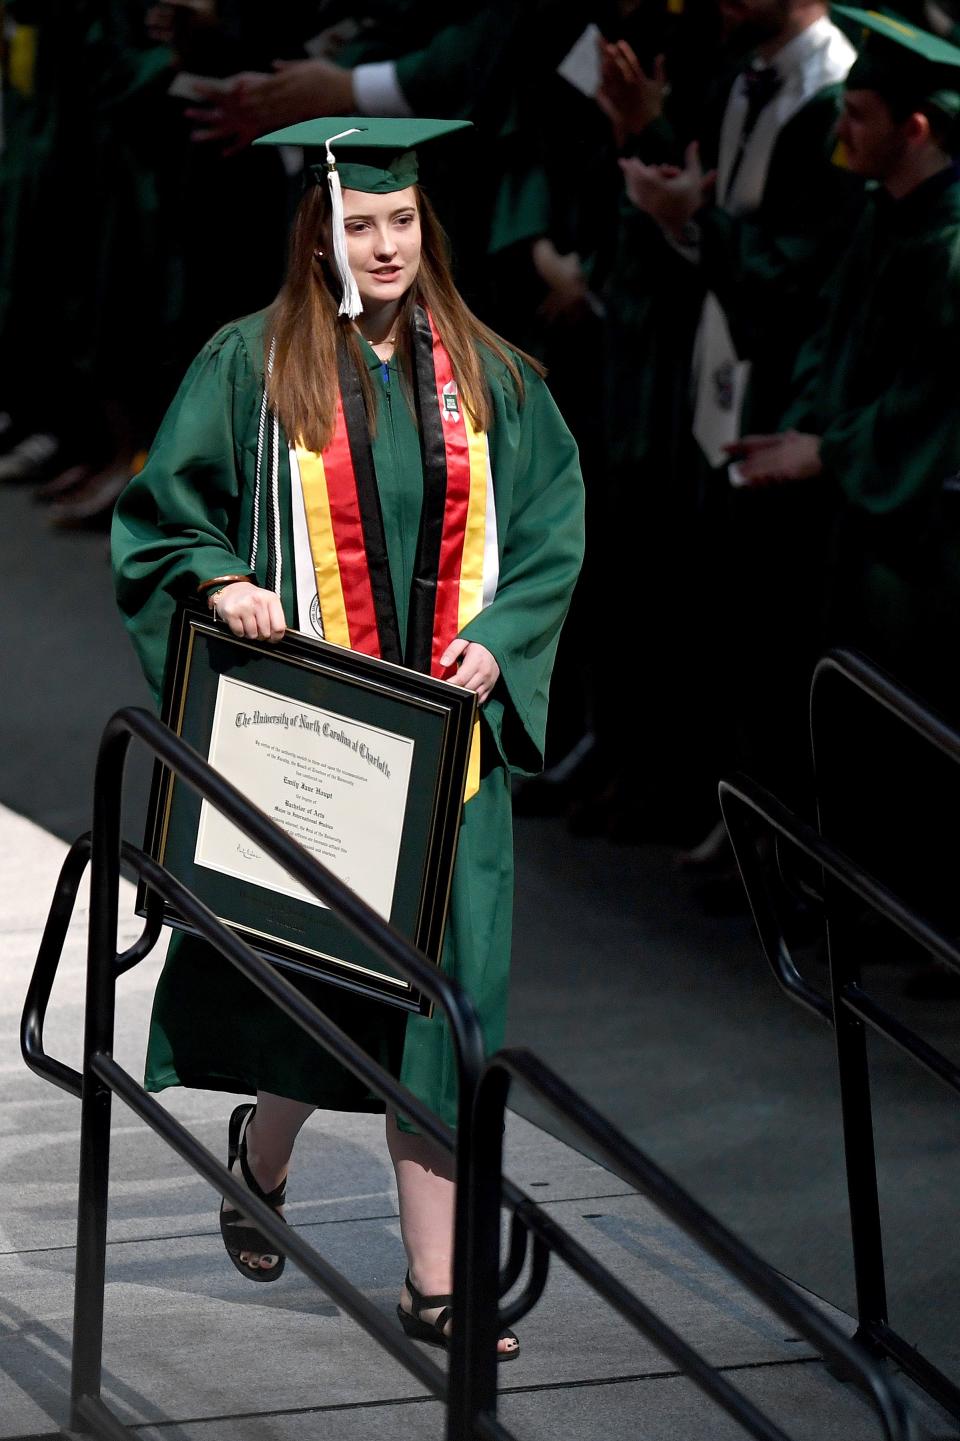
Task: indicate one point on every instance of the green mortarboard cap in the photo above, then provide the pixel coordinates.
(374, 154)
(904, 63)
(381, 157)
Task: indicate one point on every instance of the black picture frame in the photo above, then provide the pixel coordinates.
(430, 722)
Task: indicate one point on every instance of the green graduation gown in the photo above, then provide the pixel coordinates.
(188, 517)
(878, 385)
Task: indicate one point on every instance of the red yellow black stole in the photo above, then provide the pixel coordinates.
(455, 569)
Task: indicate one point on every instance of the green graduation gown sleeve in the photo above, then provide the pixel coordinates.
(540, 519)
(180, 521)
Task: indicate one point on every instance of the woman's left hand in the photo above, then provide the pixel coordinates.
(478, 670)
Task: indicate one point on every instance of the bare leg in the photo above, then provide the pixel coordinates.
(425, 1185)
(270, 1138)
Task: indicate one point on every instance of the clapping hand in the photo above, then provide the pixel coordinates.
(568, 296)
(669, 195)
(254, 102)
(629, 97)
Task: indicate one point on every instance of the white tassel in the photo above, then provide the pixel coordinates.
(350, 304)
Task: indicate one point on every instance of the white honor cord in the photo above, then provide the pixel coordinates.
(350, 305)
(261, 432)
(275, 503)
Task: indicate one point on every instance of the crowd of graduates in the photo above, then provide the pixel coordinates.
(741, 271)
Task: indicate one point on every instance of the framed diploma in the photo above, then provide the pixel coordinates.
(363, 762)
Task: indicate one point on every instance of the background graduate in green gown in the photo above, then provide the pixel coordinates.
(188, 522)
(875, 426)
(874, 419)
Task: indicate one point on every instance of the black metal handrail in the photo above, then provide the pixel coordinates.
(45, 972)
(850, 1008)
(853, 669)
(40, 988)
(469, 1390)
(604, 1140)
(744, 795)
(471, 1383)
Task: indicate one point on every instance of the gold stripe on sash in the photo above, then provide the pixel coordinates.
(471, 567)
(316, 502)
(473, 765)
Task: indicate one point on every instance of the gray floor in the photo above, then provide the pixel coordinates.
(664, 1018)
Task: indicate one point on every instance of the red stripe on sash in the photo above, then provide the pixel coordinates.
(348, 539)
(446, 615)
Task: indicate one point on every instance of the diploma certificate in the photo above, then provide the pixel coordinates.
(362, 762)
(338, 787)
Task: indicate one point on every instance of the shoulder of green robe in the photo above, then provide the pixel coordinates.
(923, 224)
(500, 378)
(947, 207)
(246, 335)
(932, 252)
(497, 372)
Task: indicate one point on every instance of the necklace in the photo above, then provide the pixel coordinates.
(389, 340)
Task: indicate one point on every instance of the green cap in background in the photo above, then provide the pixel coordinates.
(903, 63)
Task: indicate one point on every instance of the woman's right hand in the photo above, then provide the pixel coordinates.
(250, 611)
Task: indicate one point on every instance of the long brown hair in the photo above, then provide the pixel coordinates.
(303, 327)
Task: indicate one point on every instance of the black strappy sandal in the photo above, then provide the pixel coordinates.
(238, 1235)
(433, 1331)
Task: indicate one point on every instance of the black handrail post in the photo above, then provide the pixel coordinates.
(472, 1374)
(473, 1391)
(624, 1159)
(96, 1097)
(853, 1063)
(856, 1111)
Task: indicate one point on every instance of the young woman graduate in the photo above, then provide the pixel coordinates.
(458, 560)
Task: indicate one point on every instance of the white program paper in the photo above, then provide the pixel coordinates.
(338, 786)
(580, 66)
(721, 380)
